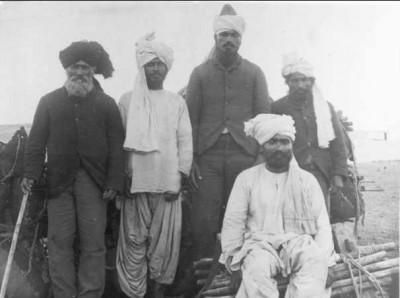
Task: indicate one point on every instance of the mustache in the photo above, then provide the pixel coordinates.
(228, 43)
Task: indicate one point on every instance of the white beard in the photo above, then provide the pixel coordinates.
(78, 89)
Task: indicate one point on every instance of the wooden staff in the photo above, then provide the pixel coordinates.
(6, 275)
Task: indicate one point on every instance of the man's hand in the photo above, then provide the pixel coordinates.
(26, 185)
(330, 278)
(348, 125)
(337, 183)
(236, 280)
(109, 194)
(171, 196)
(194, 176)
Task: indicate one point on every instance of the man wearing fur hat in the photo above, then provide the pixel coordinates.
(222, 93)
(80, 129)
(320, 145)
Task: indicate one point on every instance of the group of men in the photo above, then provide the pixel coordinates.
(142, 150)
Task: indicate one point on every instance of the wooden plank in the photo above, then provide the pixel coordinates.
(344, 239)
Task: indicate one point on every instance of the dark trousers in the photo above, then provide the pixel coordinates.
(79, 209)
(219, 167)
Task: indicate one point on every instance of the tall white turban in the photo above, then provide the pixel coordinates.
(141, 128)
(292, 64)
(264, 127)
(228, 23)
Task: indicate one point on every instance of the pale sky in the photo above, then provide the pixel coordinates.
(354, 47)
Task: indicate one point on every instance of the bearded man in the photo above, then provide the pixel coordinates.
(222, 92)
(320, 145)
(276, 221)
(80, 129)
(158, 146)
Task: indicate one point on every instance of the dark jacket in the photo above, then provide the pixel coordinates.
(218, 97)
(332, 160)
(76, 132)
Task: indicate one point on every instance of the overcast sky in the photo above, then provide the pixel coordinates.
(354, 47)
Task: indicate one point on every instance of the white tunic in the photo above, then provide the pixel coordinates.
(254, 206)
(159, 171)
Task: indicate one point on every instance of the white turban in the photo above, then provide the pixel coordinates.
(264, 127)
(147, 49)
(141, 128)
(228, 23)
(292, 64)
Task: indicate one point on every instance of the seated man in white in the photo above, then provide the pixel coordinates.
(276, 221)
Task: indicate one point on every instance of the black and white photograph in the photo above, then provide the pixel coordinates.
(198, 149)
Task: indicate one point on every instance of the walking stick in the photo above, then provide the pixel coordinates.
(6, 275)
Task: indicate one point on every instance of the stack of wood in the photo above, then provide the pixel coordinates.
(373, 258)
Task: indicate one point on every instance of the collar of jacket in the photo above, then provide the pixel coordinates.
(234, 65)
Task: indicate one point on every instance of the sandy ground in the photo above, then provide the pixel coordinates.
(381, 195)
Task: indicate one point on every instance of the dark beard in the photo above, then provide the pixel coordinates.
(278, 159)
(78, 89)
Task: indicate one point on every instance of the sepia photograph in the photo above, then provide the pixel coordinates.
(197, 149)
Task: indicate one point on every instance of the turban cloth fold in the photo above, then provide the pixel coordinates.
(264, 127)
(141, 128)
(228, 23)
(90, 52)
(294, 64)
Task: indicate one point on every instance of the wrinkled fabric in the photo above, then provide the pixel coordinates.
(257, 205)
(264, 127)
(141, 125)
(149, 240)
(292, 64)
(159, 171)
(300, 257)
(228, 23)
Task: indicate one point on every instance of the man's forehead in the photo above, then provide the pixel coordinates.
(156, 59)
(228, 32)
(279, 137)
(83, 63)
(298, 75)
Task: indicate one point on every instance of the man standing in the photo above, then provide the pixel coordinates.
(222, 93)
(80, 129)
(159, 155)
(319, 147)
(276, 221)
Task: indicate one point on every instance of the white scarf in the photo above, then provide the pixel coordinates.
(141, 128)
(292, 64)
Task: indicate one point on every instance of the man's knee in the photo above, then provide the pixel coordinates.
(260, 263)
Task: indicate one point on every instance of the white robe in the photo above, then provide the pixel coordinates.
(253, 224)
(158, 171)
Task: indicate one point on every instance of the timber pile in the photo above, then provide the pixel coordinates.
(373, 258)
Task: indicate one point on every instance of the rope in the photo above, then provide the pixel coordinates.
(348, 260)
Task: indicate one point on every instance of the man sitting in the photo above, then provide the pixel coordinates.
(276, 220)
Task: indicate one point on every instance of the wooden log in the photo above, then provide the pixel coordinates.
(203, 263)
(218, 292)
(369, 249)
(370, 268)
(340, 292)
(376, 257)
(201, 273)
(378, 275)
(221, 284)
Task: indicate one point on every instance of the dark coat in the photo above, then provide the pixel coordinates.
(218, 97)
(332, 160)
(76, 132)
